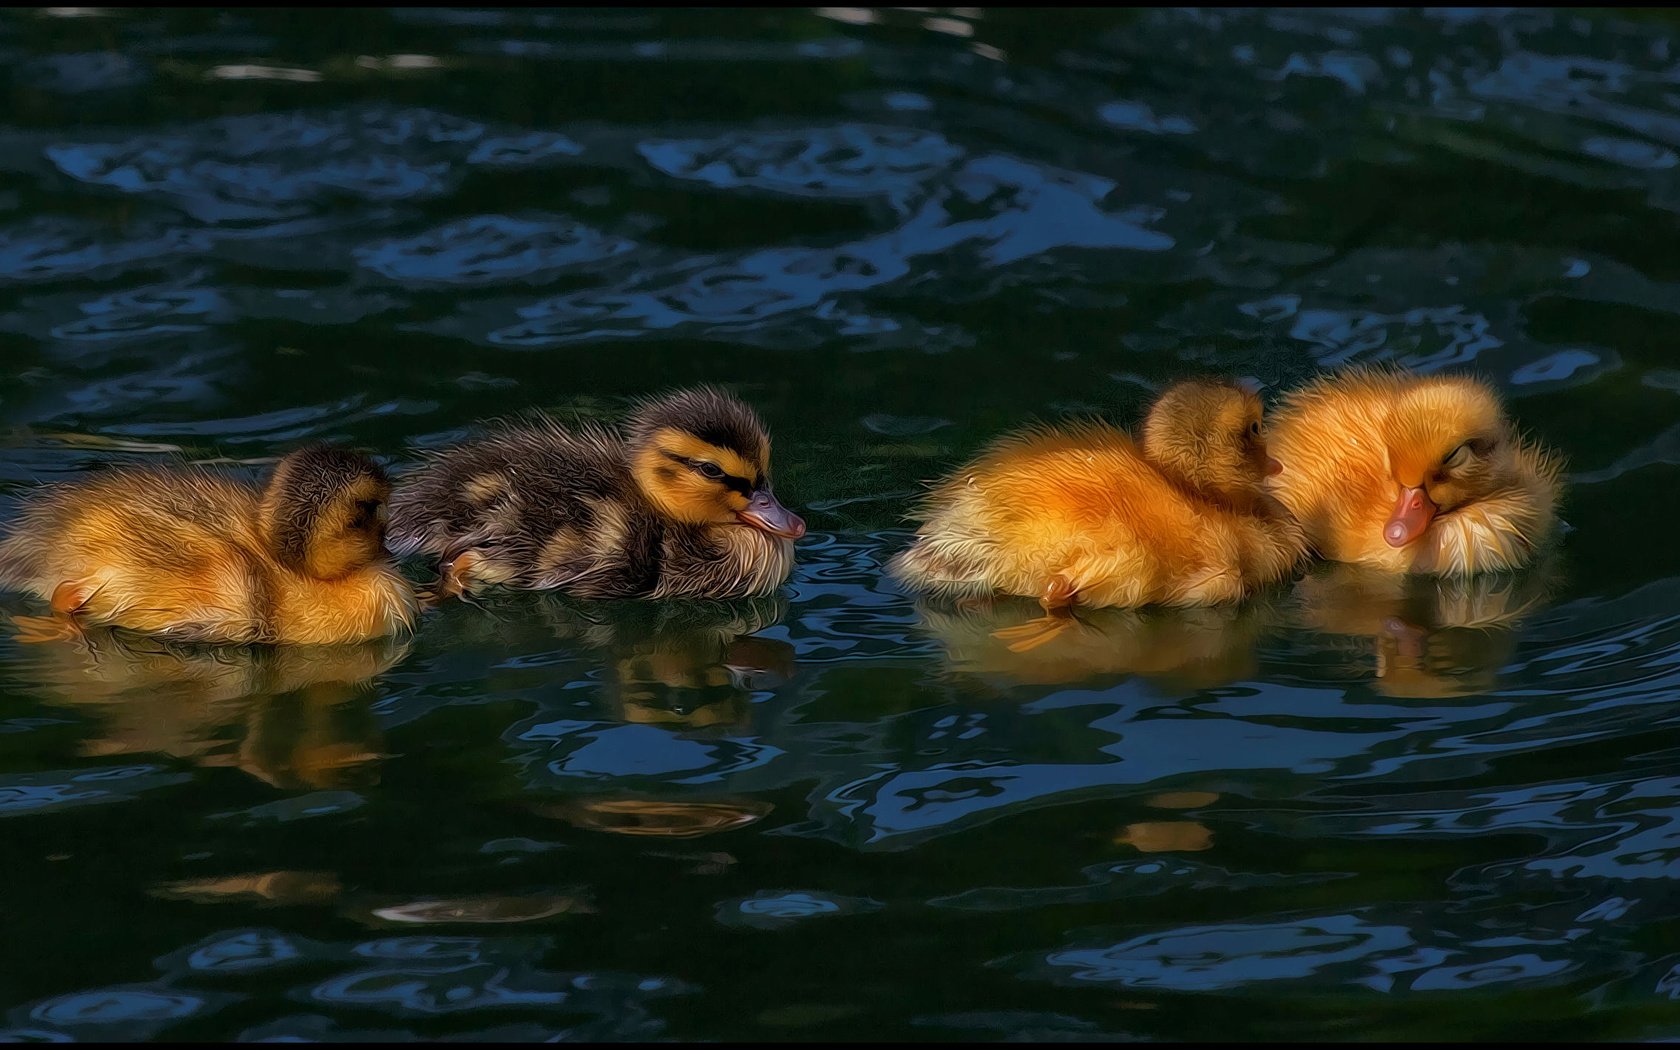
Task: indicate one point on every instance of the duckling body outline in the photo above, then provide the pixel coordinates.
(1082, 514)
(193, 556)
(674, 504)
(1413, 473)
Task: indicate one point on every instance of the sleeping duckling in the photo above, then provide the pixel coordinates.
(1082, 515)
(676, 504)
(195, 557)
(1412, 473)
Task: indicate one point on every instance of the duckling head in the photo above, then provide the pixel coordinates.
(702, 457)
(323, 511)
(1449, 444)
(1209, 434)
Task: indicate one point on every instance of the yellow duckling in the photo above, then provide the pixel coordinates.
(1412, 473)
(195, 557)
(1083, 515)
(676, 504)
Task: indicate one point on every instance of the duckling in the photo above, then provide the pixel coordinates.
(194, 557)
(1082, 515)
(675, 504)
(1412, 473)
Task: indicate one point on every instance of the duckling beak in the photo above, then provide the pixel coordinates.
(1413, 512)
(1273, 467)
(763, 512)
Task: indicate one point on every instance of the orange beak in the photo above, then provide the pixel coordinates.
(1273, 467)
(1413, 512)
(763, 512)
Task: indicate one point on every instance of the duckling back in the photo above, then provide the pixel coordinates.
(192, 556)
(546, 507)
(165, 552)
(1083, 514)
(1084, 505)
(675, 503)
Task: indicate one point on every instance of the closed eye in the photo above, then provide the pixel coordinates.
(1459, 456)
(710, 470)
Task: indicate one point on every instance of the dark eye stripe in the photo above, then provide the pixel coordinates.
(729, 481)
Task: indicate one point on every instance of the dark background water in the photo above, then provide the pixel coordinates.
(1352, 808)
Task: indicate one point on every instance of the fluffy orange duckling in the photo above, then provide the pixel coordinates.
(1083, 515)
(1413, 473)
(191, 556)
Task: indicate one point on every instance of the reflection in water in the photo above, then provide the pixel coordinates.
(1434, 637)
(282, 888)
(1166, 836)
(682, 663)
(1179, 649)
(473, 910)
(681, 666)
(317, 888)
(296, 712)
(678, 820)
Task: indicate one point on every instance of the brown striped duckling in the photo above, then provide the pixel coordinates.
(674, 503)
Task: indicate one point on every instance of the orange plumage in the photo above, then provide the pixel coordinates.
(1083, 515)
(1412, 473)
(195, 557)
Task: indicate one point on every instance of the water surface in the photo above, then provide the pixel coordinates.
(1355, 807)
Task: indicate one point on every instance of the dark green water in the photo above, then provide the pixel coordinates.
(1347, 810)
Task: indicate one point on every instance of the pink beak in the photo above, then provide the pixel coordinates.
(1413, 512)
(1273, 467)
(763, 512)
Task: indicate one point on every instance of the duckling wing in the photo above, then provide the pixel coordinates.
(543, 505)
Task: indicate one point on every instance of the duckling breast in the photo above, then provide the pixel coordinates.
(724, 561)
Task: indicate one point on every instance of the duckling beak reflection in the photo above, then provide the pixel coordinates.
(1413, 512)
(763, 512)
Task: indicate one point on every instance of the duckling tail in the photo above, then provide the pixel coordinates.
(949, 567)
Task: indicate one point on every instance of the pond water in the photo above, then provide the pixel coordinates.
(1351, 808)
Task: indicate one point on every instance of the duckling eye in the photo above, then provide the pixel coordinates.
(1254, 429)
(710, 470)
(1457, 457)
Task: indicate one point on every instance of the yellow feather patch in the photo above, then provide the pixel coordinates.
(690, 447)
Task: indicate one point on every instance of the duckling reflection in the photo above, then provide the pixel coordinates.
(1190, 648)
(1433, 637)
(688, 663)
(662, 818)
(320, 888)
(287, 715)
